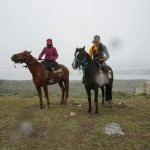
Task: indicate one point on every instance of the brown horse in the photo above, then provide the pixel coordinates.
(38, 72)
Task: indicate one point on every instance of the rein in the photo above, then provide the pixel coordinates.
(27, 63)
(83, 64)
(20, 67)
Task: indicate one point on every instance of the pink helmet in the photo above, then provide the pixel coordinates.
(49, 40)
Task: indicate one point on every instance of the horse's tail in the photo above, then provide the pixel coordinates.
(108, 94)
(67, 87)
(66, 79)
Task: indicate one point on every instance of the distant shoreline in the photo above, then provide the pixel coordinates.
(79, 78)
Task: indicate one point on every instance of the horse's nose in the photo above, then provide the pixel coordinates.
(13, 57)
(73, 65)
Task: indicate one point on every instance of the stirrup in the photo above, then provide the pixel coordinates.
(47, 74)
(51, 81)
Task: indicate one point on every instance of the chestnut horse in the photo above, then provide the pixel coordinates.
(93, 78)
(38, 72)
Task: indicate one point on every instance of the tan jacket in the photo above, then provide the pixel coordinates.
(105, 51)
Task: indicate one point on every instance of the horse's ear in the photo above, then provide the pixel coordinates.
(84, 48)
(77, 48)
(29, 52)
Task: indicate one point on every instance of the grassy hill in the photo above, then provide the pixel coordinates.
(24, 126)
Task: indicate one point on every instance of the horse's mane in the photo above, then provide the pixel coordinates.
(33, 58)
(29, 52)
(88, 57)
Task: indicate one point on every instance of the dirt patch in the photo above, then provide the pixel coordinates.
(143, 118)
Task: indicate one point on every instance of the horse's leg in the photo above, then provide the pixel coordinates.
(96, 100)
(103, 95)
(111, 86)
(46, 95)
(40, 95)
(66, 83)
(108, 95)
(62, 89)
(89, 100)
(110, 89)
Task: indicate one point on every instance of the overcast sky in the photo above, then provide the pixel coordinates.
(124, 27)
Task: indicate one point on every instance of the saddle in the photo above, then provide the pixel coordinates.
(53, 71)
(54, 75)
(104, 69)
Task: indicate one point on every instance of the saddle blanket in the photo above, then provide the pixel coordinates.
(54, 73)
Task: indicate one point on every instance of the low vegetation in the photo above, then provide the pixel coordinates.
(24, 126)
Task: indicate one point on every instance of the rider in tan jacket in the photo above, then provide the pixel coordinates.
(99, 52)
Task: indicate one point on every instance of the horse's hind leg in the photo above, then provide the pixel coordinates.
(62, 89)
(111, 86)
(96, 100)
(40, 95)
(108, 96)
(66, 83)
(46, 95)
(103, 95)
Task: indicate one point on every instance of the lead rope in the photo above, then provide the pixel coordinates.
(83, 66)
(20, 67)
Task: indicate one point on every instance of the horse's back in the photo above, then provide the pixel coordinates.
(65, 70)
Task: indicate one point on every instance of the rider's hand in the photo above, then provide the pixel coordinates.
(96, 58)
(101, 60)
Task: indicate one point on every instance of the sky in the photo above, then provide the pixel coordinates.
(123, 25)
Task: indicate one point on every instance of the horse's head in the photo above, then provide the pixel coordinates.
(23, 57)
(79, 57)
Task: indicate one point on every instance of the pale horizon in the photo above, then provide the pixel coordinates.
(122, 25)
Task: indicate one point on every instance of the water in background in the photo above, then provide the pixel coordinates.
(132, 77)
(118, 77)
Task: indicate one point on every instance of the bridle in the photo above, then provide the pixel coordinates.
(82, 63)
(28, 61)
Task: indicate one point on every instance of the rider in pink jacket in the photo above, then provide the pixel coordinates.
(49, 51)
(50, 56)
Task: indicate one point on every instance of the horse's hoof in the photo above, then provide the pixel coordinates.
(104, 106)
(89, 111)
(65, 103)
(109, 106)
(62, 102)
(48, 106)
(42, 107)
(97, 113)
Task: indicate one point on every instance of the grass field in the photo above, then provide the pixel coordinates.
(55, 129)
